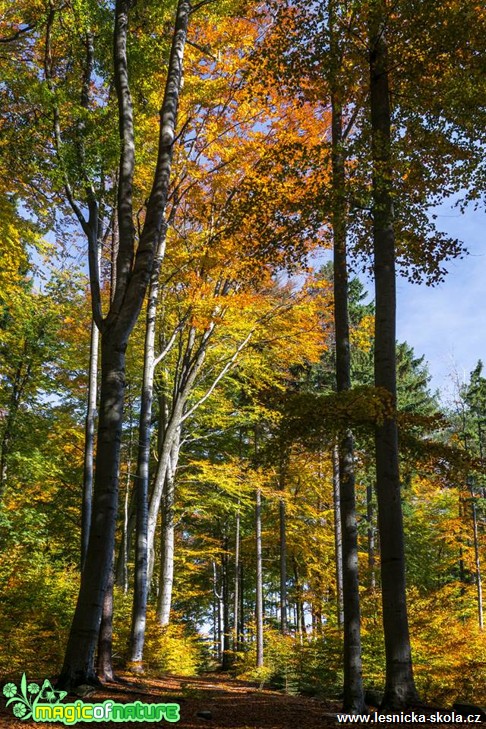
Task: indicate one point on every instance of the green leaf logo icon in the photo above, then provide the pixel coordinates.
(30, 695)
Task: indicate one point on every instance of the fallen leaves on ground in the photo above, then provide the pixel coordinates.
(224, 702)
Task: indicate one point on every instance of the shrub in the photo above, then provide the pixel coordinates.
(35, 613)
(173, 649)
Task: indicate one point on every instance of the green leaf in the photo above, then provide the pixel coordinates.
(23, 687)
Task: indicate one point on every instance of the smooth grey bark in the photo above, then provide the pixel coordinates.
(140, 592)
(166, 580)
(353, 698)
(338, 538)
(400, 688)
(79, 660)
(89, 441)
(90, 420)
(259, 580)
(104, 662)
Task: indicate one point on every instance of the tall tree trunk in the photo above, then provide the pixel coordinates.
(400, 688)
(140, 593)
(105, 639)
(477, 560)
(479, 580)
(259, 580)
(353, 701)
(89, 441)
(79, 660)
(338, 535)
(168, 535)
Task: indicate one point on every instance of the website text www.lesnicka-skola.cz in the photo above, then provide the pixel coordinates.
(411, 717)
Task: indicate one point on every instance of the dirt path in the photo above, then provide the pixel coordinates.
(223, 702)
(213, 701)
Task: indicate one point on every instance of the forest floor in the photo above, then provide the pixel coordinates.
(215, 701)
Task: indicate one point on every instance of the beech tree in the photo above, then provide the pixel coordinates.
(133, 268)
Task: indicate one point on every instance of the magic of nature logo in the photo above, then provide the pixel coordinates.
(42, 703)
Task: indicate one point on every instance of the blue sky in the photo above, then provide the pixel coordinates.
(447, 323)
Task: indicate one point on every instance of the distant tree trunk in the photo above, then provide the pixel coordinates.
(371, 536)
(217, 615)
(353, 701)
(462, 571)
(121, 562)
(400, 688)
(20, 380)
(216, 644)
(259, 580)
(299, 603)
(338, 536)
(226, 658)
(236, 605)
(283, 567)
(241, 631)
(317, 618)
(479, 581)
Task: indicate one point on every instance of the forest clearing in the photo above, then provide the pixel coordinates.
(223, 475)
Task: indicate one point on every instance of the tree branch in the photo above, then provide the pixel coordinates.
(20, 32)
(219, 377)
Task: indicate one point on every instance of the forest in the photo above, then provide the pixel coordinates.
(216, 457)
